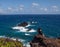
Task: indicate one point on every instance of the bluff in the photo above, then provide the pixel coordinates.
(40, 40)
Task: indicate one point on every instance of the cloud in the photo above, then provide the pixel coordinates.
(35, 8)
(41, 8)
(55, 8)
(21, 7)
(1, 10)
(35, 4)
(9, 8)
(45, 9)
(18, 9)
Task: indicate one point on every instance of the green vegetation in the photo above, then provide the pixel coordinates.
(5, 42)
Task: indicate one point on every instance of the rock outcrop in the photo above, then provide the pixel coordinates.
(41, 41)
(23, 24)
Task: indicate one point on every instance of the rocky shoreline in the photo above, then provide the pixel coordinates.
(41, 41)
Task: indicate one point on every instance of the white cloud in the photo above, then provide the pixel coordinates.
(55, 8)
(21, 5)
(36, 8)
(35, 4)
(9, 8)
(45, 9)
(17, 9)
(1, 10)
(41, 8)
(21, 8)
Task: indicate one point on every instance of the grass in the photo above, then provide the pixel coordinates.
(5, 42)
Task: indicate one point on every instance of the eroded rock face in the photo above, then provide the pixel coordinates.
(23, 24)
(58, 37)
(41, 41)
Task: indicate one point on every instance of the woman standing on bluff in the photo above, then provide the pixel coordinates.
(38, 38)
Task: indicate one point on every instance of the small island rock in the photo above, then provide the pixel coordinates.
(23, 24)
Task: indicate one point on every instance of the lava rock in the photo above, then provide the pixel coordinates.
(41, 41)
(23, 24)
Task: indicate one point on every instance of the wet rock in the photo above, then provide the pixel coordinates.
(29, 29)
(58, 37)
(23, 24)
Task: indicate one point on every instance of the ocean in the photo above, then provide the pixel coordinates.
(50, 25)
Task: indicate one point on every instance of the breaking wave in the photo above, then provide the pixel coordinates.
(23, 29)
(27, 34)
(2, 36)
(34, 22)
(21, 40)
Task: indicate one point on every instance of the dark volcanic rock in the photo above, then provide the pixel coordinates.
(23, 24)
(40, 31)
(29, 29)
(41, 41)
(58, 37)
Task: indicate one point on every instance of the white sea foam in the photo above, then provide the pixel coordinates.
(2, 36)
(34, 22)
(13, 39)
(23, 29)
(27, 34)
(27, 45)
(32, 30)
(28, 25)
(21, 40)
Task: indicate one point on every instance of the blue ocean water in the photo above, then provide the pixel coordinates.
(50, 25)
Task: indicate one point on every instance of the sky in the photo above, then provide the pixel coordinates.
(29, 6)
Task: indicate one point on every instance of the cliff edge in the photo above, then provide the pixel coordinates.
(41, 41)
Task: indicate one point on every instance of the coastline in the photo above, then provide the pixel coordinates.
(21, 41)
(40, 40)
